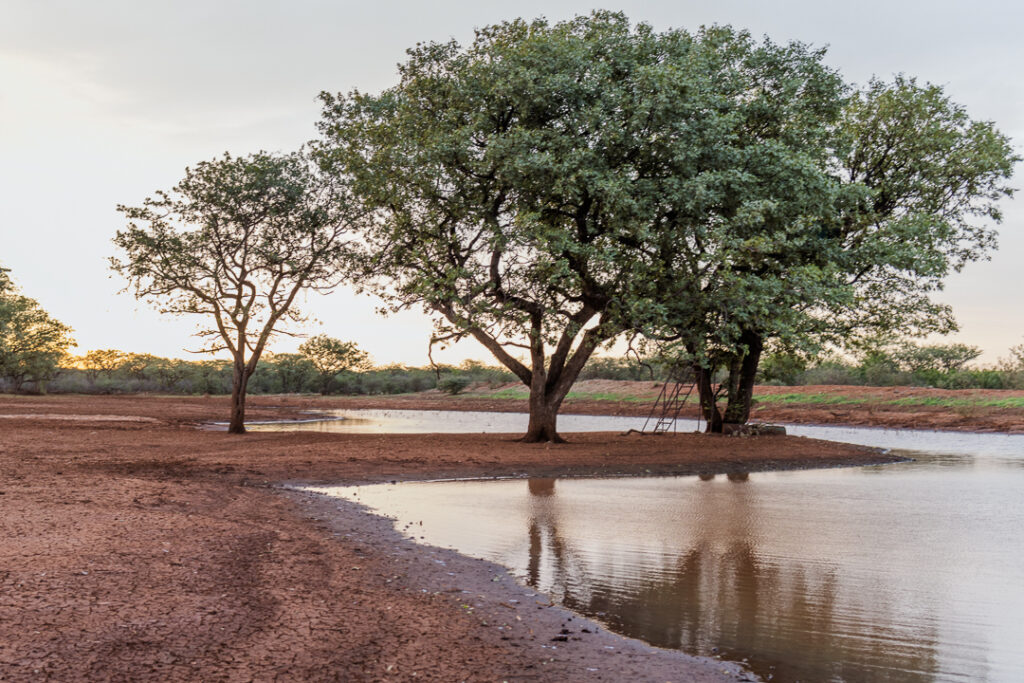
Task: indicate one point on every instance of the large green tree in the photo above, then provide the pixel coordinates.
(915, 189)
(235, 242)
(32, 343)
(528, 188)
(752, 255)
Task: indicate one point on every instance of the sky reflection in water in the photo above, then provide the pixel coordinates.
(908, 572)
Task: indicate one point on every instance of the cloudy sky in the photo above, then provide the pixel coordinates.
(105, 102)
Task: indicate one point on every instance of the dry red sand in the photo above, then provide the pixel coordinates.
(135, 547)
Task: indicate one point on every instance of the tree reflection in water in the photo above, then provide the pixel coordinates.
(785, 618)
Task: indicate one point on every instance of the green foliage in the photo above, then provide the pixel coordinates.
(936, 357)
(104, 361)
(905, 364)
(782, 367)
(293, 371)
(1014, 362)
(911, 189)
(528, 188)
(276, 373)
(753, 257)
(453, 384)
(32, 344)
(922, 183)
(330, 356)
(910, 193)
(878, 366)
(235, 242)
(941, 401)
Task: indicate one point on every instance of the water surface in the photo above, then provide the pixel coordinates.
(907, 572)
(448, 422)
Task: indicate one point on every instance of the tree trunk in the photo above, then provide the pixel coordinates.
(549, 387)
(708, 405)
(240, 378)
(741, 379)
(543, 418)
(549, 382)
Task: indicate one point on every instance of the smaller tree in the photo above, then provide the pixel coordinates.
(936, 357)
(1015, 361)
(331, 356)
(32, 344)
(235, 242)
(137, 365)
(293, 370)
(101, 361)
(168, 372)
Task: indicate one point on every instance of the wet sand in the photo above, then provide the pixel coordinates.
(136, 547)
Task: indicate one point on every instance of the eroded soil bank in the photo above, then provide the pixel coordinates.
(136, 547)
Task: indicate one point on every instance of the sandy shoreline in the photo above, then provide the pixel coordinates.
(560, 645)
(145, 549)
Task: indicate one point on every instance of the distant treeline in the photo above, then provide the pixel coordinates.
(283, 373)
(116, 372)
(943, 366)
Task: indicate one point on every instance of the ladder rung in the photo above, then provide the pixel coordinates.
(671, 404)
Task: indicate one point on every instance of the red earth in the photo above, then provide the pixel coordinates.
(135, 546)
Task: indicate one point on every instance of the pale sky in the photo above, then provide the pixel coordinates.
(106, 102)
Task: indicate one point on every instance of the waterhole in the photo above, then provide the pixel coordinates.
(904, 572)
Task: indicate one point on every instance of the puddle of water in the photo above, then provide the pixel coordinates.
(476, 422)
(451, 422)
(907, 572)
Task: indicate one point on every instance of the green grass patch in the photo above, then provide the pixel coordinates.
(939, 401)
(813, 399)
(954, 402)
(509, 393)
(801, 399)
(523, 393)
(610, 397)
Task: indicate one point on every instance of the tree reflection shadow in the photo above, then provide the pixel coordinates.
(795, 620)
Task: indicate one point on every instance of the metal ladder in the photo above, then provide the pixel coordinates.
(671, 405)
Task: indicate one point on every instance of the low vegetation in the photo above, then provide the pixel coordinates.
(942, 366)
(283, 373)
(110, 371)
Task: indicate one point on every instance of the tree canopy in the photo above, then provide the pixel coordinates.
(913, 186)
(331, 356)
(102, 361)
(32, 343)
(235, 242)
(528, 189)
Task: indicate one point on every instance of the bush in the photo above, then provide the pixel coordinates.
(829, 372)
(453, 384)
(782, 368)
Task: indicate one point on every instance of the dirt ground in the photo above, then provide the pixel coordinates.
(134, 546)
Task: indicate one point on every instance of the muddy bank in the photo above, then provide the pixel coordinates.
(550, 642)
(144, 549)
